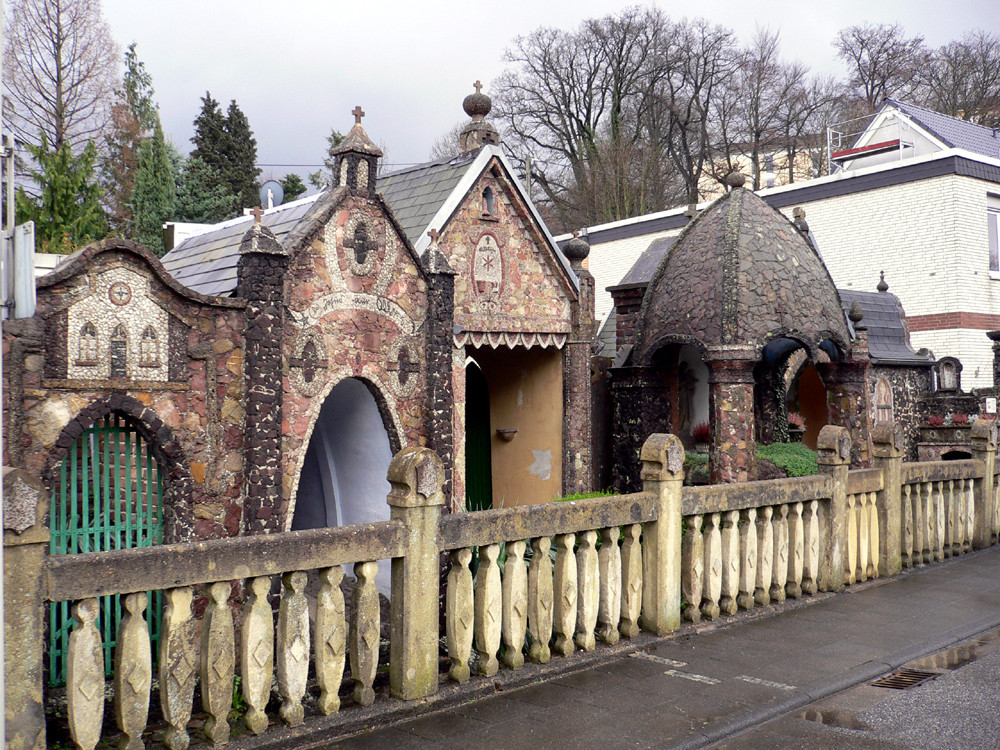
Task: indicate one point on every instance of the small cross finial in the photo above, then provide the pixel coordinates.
(478, 86)
(358, 114)
(434, 235)
(257, 212)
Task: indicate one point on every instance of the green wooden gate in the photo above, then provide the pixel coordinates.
(109, 496)
(478, 452)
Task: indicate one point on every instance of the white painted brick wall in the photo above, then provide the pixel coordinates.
(610, 261)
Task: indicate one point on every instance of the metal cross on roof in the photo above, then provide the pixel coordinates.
(478, 86)
(358, 114)
(257, 212)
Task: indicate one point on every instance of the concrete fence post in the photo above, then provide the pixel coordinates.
(416, 475)
(25, 545)
(984, 447)
(662, 478)
(834, 458)
(887, 448)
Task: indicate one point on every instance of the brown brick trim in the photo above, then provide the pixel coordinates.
(950, 320)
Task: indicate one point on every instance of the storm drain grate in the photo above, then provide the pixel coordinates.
(904, 679)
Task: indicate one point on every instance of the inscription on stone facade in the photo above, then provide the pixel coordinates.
(487, 273)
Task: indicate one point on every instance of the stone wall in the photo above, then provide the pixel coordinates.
(910, 386)
(182, 386)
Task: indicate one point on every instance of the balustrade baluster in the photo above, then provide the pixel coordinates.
(692, 567)
(765, 556)
(488, 603)
(927, 523)
(85, 676)
(565, 592)
(793, 583)
(514, 621)
(293, 647)
(133, 672)
(364, 633)
(730, 583)
(874, 547)
(918, 525)
(907, 527)
(748, 558)
(713, 568)
(961, 517)
(779, 572)
(863, 536)
(178, 666)
(609, 565)
(631, 581)
(257, 652)
(330, 639)
(951, 516)
(939, 521)
(540, 601)
(218, 661)
(810, 548)
(851, 556)
(970, 516)
(460, 614)
(588, 594)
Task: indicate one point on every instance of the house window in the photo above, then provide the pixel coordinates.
(489, 203)
(149, 354)
(993, 222)
(883, 401)
(88, 344)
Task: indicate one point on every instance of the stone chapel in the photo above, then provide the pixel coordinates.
(261, 376)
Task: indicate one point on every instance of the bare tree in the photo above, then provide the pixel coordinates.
(61, 64)
(447, 145)
(881, 61)
(809, 108)
(962, 78)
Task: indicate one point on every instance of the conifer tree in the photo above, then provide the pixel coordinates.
(226, 143)
(292, 186)
(242, 157)
(201, 198)
(153, 198)
(67, 212)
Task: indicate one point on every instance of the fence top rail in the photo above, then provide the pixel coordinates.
(718, 498)
(87, 575)
(864, 480)
(942, 471)
(547, 519)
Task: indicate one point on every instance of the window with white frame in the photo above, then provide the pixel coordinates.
(993, 219)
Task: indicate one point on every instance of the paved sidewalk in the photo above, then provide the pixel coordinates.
(707, 687)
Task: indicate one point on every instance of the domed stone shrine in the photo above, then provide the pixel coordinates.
(739, 293)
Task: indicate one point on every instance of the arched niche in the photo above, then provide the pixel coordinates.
(343, 477)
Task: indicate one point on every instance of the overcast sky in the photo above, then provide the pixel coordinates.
(298, 67)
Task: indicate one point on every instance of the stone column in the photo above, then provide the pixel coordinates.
(662, 477)
(733, 456)
(25, 544)
(261, 282)
(577, 418)
(834, 457)
(440, 346)
(887, 448)
(416, 475)
(847, 397)
(641, 406)
(984, 446)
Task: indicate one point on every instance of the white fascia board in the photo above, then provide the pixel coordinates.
(472, 174)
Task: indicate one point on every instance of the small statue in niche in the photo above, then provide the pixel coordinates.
(88, 344)
(149, 355)
(361, 244)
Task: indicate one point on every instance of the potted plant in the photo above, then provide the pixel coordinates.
(796, 427)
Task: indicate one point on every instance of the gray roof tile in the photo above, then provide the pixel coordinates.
(954, 132)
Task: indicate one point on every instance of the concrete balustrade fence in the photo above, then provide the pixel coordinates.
(549, 580)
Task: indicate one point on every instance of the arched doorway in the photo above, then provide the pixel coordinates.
(478, 449)
(107, 495)
(343, 478)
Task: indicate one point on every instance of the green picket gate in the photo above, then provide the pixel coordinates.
(109, 497)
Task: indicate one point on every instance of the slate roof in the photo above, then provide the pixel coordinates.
(888, 338)
(206, 262)
(416, 194)
(955, 133)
